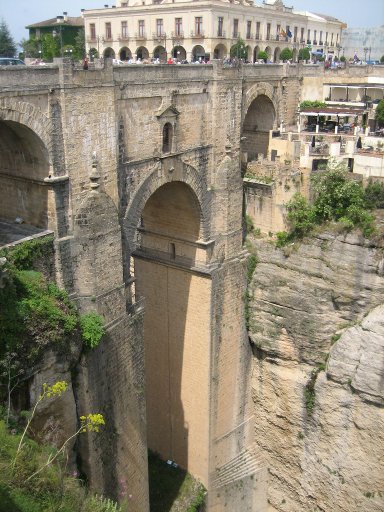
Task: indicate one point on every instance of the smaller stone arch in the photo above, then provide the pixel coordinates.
(220, 51)
(109, 53)
(268, 51)
(261, 88)
(198, 53)
(259, 120)
(160, 53)
(276, 54)
(295, 54)
(142, 53)
(125, 53)
(179, 53)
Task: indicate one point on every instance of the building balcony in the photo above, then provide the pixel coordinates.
(258, 37)
(315, 42)
(309, 41)
(140, 36)
(123, 37)
(91, 39)
(302, 41)
(249, 36)
(221, 34)
(236, 35)
(177, 35)
(159, 36)
(197, 35)
(321, 43)
(108, 38)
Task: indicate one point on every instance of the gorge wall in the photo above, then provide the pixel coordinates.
(317, 331)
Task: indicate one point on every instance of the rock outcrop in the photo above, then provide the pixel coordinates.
(317, 330)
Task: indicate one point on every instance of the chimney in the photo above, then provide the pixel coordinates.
(65, 16)
(59, 19)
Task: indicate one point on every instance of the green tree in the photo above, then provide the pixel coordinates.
(382, 59)
(304, 54)
(335, 192)
(262, 56)
(286, 54)
(79, 46)
(50, 47)
(7, 43)
(239, 50)
(31, 47)
(379, 116)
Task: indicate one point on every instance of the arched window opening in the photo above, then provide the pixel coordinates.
(167, 138)
(172, 250)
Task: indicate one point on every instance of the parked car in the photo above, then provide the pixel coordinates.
(7, 61)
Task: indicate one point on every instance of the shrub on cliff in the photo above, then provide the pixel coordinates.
(36, 315)
(336, 198)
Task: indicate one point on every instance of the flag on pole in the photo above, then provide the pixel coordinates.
(289, 33)
(283, 33)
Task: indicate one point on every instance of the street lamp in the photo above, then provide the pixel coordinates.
(365, 53)
(68, 52)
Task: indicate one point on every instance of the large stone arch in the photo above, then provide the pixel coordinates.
(171, 276)
(25, 163)
(158, 177)
(28, 115)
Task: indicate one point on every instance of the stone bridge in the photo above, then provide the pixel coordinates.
(137, 171)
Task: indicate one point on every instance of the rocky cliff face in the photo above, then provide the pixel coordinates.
(317, 330)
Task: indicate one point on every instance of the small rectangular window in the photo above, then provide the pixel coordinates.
(220, 22)
(159, 27)
(179, 26)
(141, 28)
(124, 29)
(108, 31)
(199, 25)
(249, 29)
(235, 28)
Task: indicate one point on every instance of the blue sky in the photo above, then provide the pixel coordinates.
(19, 13)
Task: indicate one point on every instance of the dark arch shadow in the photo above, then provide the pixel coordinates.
(24, 163)
(163, 263)
(258, 121)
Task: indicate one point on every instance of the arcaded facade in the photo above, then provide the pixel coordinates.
(205, 29)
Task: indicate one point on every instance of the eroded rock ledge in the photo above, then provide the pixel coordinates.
(320, 311)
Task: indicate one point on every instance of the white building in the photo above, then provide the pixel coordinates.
(190, 29)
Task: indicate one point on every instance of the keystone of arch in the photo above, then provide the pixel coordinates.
(29, 116)
(190, 176)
